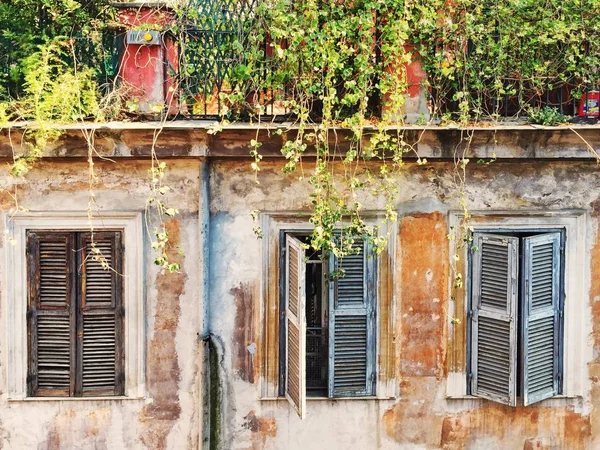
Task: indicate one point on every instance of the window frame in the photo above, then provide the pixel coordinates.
(520, 307)
(372, 306)
(577, 315)
(76, 308)
(386, 386)
(14, 297)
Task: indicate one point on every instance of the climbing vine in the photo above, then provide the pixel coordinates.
(53, 72)
(497, 58)
(327, 65)
(332, 65)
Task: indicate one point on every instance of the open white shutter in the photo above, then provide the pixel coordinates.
(493, 317)
(295, 336)
(541, 317)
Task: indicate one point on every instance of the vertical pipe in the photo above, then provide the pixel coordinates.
(163, 61)
(205, 244)
(204, 387)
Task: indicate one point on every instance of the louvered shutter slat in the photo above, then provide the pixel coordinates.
(541, 306)
(53, 271)
(350, 361)
(493, 318)
(99, 281)
(295, 386)
(294, 274)
(53, 354)
(51, 319)
(99, 352)
(351, 287)
(100, 328)
(351, 324)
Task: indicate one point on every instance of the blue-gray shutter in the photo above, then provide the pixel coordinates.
(352, 300)
(295, 325)
(493, 317)
(541, 317)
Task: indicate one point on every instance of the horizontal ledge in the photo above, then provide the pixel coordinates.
(74, 399)
(206, 124)
(196, 139)
(329, 399)
(135, 4)
(465, 397)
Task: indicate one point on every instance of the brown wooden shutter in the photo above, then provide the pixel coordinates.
(493, 317)
(295, 386)
(100, 322)
(352, 302)
(541, 317)
(51, 313)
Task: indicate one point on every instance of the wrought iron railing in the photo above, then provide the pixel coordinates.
(102, 56)
(515, 95)
(100, 52)
(7, 64)
(558, 96)
(213, 51)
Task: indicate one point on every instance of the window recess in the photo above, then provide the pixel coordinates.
(75, 314)
(516, 316)
(329, 326)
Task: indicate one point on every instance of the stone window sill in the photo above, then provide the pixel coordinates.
(331, 399)
(74, 399)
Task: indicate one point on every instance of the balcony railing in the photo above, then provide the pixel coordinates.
(213, 49)
(513, 97)
(101, 54)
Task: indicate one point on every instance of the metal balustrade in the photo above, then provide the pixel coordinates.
(213, 44)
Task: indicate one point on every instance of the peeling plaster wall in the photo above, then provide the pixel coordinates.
(170, 415)
(421, 417)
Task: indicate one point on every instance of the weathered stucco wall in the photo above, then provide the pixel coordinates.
(169, 416)
(421, 417)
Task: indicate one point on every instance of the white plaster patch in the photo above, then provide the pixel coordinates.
(252, 348)
(429, 275)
